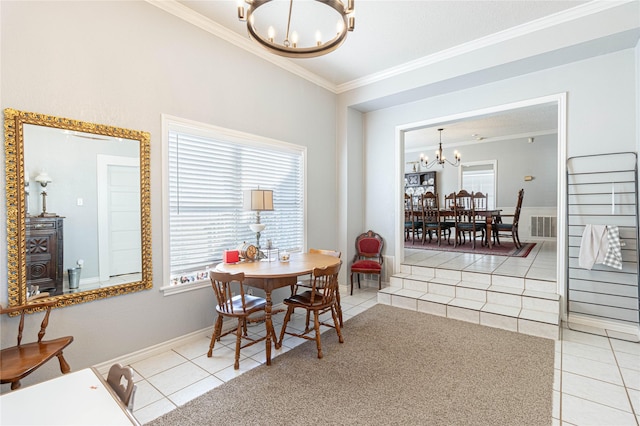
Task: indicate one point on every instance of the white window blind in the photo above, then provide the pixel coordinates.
(207, 177)
(480, 178)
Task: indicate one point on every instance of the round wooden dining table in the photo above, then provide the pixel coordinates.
(270, 275)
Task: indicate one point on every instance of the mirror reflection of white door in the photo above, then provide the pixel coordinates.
(119, 216)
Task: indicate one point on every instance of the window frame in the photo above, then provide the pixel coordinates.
(172, 123)
(494, 166)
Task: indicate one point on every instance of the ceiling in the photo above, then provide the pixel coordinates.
(391, 34)
(512, 124)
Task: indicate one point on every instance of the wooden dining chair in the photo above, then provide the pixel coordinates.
(450, 201)
(308, 283)
(368, 258)
(480, 203)
(120, 379)
(510, 229)
(419, 217)
(19, 361)
(466, 221)
(321, 297)
(241, 307)
(448, 216)
(433, 222)
(408, 218)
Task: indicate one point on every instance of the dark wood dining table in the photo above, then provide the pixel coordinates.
(490, 217)
(270, 275)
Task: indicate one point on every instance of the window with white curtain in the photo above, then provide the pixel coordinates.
(208, 169)
(480, 177)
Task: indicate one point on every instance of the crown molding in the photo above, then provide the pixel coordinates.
(179, 10)
(558, 18)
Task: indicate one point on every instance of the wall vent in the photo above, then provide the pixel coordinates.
(544, 226)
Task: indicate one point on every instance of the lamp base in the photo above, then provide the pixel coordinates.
(47, 214)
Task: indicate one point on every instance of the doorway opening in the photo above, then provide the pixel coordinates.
(405, 151)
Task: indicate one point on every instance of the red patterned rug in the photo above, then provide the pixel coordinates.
(506, 248)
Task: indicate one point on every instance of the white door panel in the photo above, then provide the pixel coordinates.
(119, 217)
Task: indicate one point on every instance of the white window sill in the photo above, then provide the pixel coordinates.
(181, 288)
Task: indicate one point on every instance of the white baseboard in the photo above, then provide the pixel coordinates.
(131, 358)
(128, 359)
(588, 321)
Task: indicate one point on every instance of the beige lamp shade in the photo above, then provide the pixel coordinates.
(258, 199)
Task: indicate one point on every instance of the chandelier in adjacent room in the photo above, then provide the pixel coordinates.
(440, 158)
(301, 28)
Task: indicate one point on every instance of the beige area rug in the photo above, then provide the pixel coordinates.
(396, 367)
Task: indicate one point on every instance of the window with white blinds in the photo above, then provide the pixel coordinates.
(208, 171)
(481, 178)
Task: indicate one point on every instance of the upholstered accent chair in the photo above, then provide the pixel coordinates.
(368, 258)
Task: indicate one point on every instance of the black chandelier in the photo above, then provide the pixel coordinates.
(440, 158)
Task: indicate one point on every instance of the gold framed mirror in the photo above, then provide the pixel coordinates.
(97, 179)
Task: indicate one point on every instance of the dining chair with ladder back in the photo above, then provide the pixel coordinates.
(480, 202)
(120, 379)
(368, 258)
(308, 283)
(408, 218)
(509, 229)
(450, 201)
(19, 361)
(465, 219)
(433, 222)
(448, 216)
(419, 218)
(241, 306)
(321, 297)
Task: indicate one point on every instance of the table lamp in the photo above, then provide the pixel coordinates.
(258, 200)
(43, 179)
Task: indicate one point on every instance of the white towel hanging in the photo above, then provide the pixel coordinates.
(593, 246)
(600, 244)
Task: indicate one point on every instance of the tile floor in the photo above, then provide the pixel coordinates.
(171, 379)
(597, 379)
(540, 264)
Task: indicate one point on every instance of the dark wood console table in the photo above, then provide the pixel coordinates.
(45, 253)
